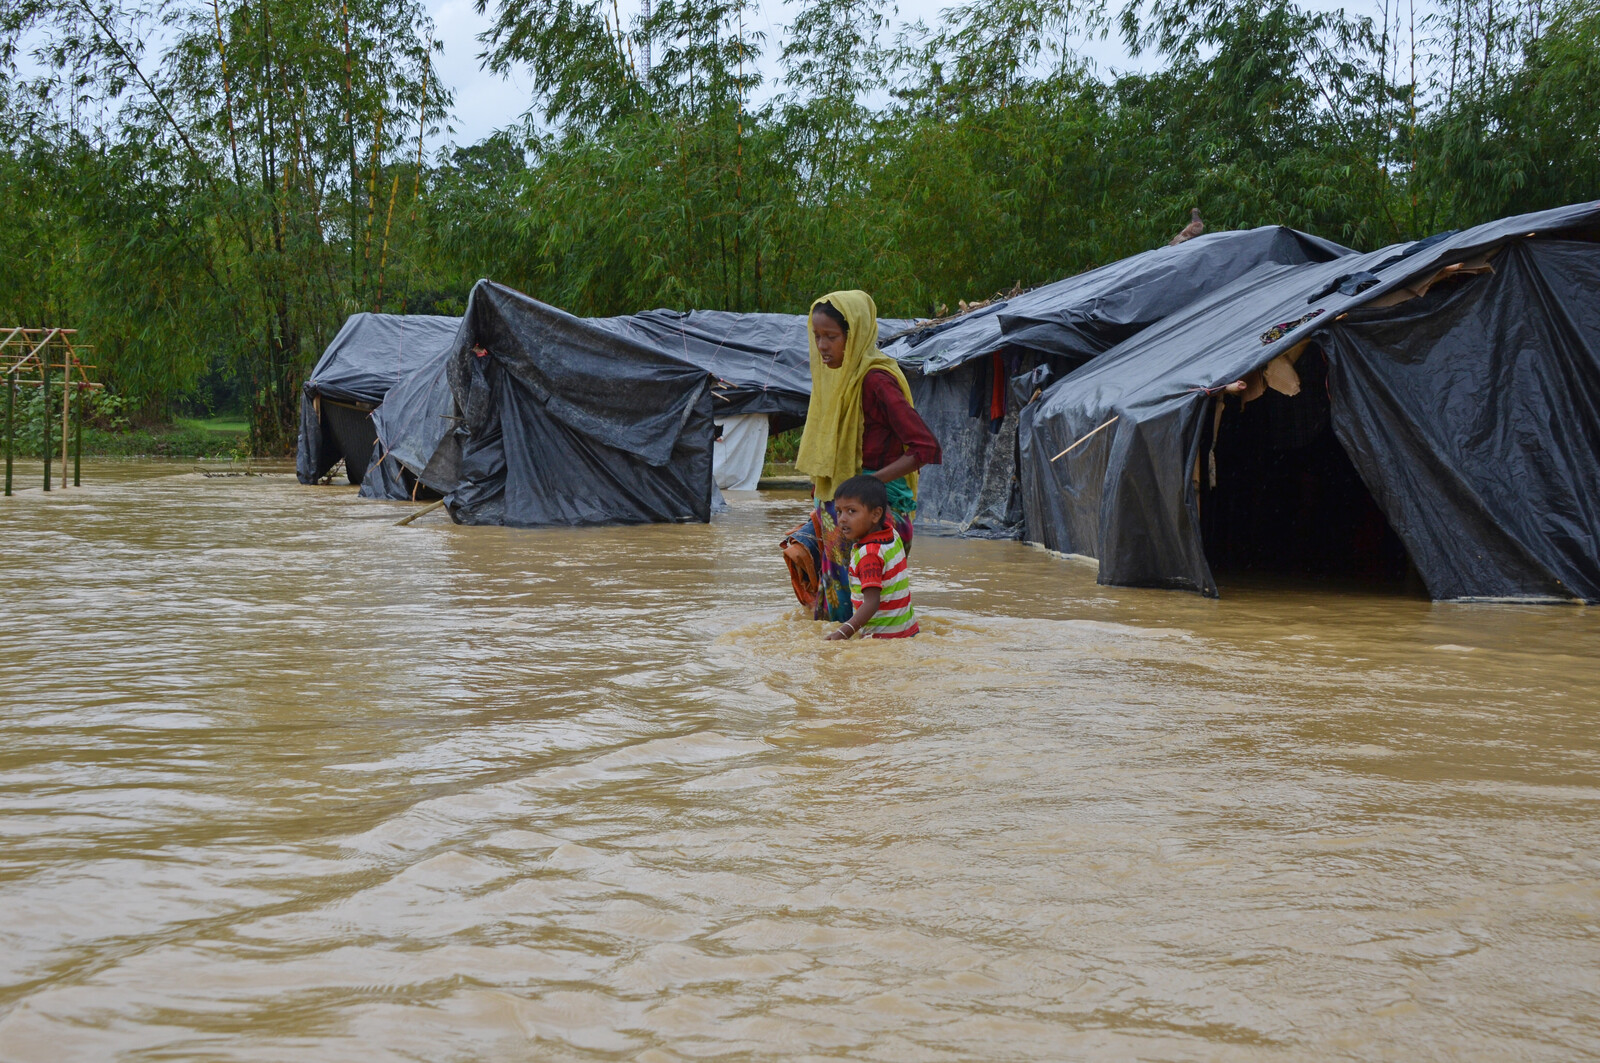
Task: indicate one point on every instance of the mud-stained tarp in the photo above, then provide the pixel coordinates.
(962, 371)
(371, 353)
(553, 420)
(1465, 397)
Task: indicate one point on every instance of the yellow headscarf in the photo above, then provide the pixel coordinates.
(830, 448)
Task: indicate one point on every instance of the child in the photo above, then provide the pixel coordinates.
(880, 580)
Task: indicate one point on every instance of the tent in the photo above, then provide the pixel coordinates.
(760, 364)
(971, 375)
(763, 377)
(536, 417)
(368, 356)
(1434, 405)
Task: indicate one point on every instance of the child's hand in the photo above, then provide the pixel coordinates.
(838, 634)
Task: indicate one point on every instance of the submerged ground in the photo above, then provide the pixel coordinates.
(281, 780)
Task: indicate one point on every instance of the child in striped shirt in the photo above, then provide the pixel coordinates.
(880, 579)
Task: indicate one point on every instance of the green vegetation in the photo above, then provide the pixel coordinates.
(210, 211)
(109, 433)
(783, 447)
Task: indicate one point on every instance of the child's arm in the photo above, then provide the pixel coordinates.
(870, 597)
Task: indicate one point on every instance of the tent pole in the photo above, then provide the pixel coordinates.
(11, 425)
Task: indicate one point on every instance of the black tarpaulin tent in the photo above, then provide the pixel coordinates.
(760, 364)
(368, 356)
(972, 374)
(1442, 396)
(415, 417)
(553, 420)
(760, 360)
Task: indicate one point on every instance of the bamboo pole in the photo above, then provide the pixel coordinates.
(383, 256)
(11, 409)
(66, 405)
(422, 128)
(77, 448)
(44, 382)
(1086, 438)
(429, 508)
(372, 193)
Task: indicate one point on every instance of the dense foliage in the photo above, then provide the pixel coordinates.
(208, 188)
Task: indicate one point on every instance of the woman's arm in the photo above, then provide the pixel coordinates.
(884, 404)
(870, 597)
(907, 462)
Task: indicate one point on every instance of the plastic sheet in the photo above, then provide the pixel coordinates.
(556, 421)
(1047, 333)
(371, 353)
(760, 364)
(1111, 454)
(1473, 416)
(740, 452)
(1080, 316)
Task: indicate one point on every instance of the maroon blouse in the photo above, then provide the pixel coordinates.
(891, 427)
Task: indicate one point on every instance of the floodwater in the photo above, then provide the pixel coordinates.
(280, 780)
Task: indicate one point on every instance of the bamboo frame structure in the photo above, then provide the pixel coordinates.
(31, 357)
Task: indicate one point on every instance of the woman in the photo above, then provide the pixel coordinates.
(860, 421)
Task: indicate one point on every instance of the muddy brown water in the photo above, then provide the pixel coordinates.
(279, 780)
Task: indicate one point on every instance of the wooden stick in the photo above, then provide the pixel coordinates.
(419, 513)
(1085, 439)
(44, 424)
(77, 446)
(11, 410)
(66, 404)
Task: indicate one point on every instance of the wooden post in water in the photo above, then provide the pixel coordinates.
(77, 446)
(11, 425)
(66, 404)
(44, 387)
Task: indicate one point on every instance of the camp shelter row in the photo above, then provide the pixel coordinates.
(1257, 399)
(758, 362)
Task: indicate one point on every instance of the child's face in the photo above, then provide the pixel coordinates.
(855, 519)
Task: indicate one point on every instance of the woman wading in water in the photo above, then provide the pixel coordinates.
(860, 421)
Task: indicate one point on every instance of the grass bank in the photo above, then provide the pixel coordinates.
(216, 437)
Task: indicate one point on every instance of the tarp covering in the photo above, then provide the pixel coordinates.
(1473, 414)
(557, 421)
(1059, 326)
(1468, 410)
(413, 420)
(760, 362)
(1078, 317)
(368, 356)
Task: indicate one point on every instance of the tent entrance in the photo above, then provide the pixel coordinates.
(1280, 497)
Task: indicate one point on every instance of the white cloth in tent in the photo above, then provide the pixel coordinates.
(738, 457)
